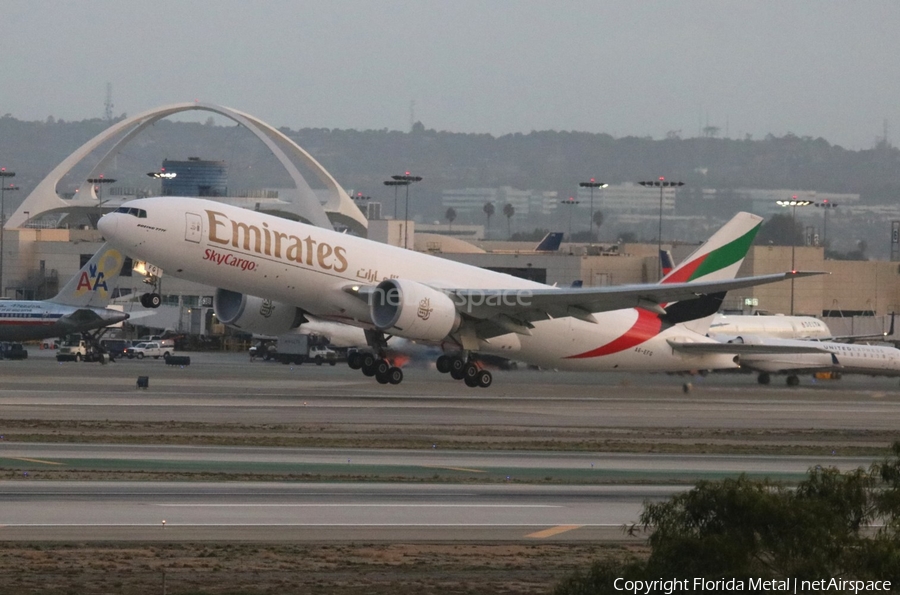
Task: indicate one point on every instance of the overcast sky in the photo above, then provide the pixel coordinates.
(812, 67)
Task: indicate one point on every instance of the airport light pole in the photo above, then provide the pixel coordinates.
(360, 201)
(793, 203)
(571, 203)
(98, 183)
(826, 205)
(408, 179)
(396, 184)
(4, 173)
(661, 183)
(592, 184)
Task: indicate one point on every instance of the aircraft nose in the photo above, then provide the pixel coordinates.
(107, 225)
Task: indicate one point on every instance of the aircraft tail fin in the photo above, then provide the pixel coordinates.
(720, 257)
(666, 261)
(93, 285)
(550, 243)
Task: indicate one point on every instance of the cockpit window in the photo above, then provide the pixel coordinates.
(139, 213)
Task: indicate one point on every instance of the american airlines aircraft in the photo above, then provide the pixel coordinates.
(79, 307)
(387, 290)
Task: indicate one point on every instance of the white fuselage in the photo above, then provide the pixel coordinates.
(847, 358)
(25, 320)
(784, 327)
(311, 267)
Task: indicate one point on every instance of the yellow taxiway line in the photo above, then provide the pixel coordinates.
(552, 531)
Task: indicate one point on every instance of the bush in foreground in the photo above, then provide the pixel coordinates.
(832, 525)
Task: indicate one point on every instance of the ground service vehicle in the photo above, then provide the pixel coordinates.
(320, 354)
(116, 348)
(13, 351)
(148, 349)
(292, 349)
(76, 348)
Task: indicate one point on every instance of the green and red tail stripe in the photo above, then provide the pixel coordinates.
(719, 257)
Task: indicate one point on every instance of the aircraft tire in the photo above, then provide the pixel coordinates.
(382, 367)
(485, 379)
(443, 364)
(457, 364)
(764, 378)
(368, 371)
(382, 378)
(471, 381)
(471, 370)
(793, 380)
(144, 302)
(457, 373)
(395, 375)
(368, 360)
(354, 360)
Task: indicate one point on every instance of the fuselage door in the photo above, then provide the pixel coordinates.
(192, 228)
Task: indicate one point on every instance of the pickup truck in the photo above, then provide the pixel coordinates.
(148, 349)
(170, 343)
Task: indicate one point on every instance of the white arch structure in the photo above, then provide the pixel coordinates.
(338, 208)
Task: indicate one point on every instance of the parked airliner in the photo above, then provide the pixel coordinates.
(387, 290)
(79, 307)
(770, 355)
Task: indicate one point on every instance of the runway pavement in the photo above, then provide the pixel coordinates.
(491, 499)
(317, 512)
(227, 388)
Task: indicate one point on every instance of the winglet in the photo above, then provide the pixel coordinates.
(93, 285)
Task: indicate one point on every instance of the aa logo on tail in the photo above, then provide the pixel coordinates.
(92, 279)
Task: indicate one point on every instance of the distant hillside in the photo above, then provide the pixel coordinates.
(546, 160)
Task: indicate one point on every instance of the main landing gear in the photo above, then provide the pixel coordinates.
(766, 378)
(384, 371)
(381, 366)
(465, 369)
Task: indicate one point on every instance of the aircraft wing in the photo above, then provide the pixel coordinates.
(528, 305)
(746, 348)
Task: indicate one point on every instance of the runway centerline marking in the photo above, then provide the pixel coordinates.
(553, 531)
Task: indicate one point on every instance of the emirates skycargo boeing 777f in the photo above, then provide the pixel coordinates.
(300, 269)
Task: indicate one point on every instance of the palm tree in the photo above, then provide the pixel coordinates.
(450, 216)
(509, 211)
(489, 211)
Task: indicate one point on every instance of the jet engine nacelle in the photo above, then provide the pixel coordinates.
(412, 310)
(255, 314)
